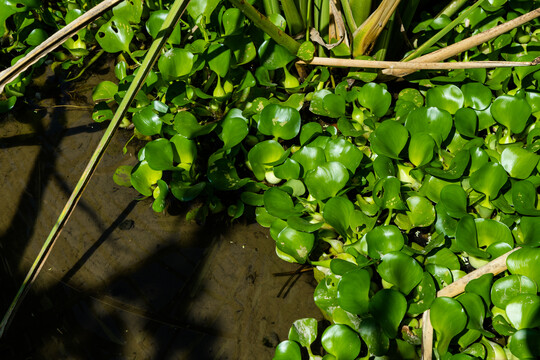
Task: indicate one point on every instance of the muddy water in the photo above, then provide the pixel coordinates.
(124, 282)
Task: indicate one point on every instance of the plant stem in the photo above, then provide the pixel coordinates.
(292, 16)
(271, 7)
(452, 8)
(172, 19)
(351, 24)
(265, 25)
(425, 46)
(92, 60)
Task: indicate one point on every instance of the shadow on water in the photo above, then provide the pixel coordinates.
(124, 282)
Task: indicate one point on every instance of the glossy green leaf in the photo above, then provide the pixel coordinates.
(523, 311)
(306, 51)
(383, 240)
(524, 198)
(422, 212)
(466, 237)
(290, 169)
(466, 122)
(287, 350)
(481, 286)
(115, 35)
(387, 194)
(232, 20)
(454, 199)
(105, 90)
(524, 262)
(353, 291)
(326, 180)
(376, 98)
(147, 121)
(160, 194)
(304, 331)
(530, 228)
(491, 231)
(306, 224)
(223, 175)
(432, 120)
(159, 154)
(447, 97)
(143, 177)
(341, 267)
(309, 132)
(508, 287)
(375, 338)
(421, 149)
(442, 275)
(263, 154)
(389, 139)
(388, 307)
(154, 22)
(297, 244)
(489, 179)
(476, 312)
(325, 294)
(345, 152)
(234, 130)
(219, 59)
(342, 342)
(400, 270)
(518, 162)
(185, 150)
(309, 158)
(476, 96)
(512, 112)
(278, 203)
(423, 295)
(444, 257)
(337, 213)
(175, 63)
(279, 121)
(448, 319)
(274, 56)
(130, 10)
(186, 124)
(524, 344)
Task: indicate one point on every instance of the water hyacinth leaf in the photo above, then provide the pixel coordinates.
(466, 122)
(325, 295)
(508, 287)
(400, 270)
(481, 286)
(524, 344)
(374, 336)
(444, 257)
(219, 59)
(252, 199)
(530, 228)
(442, 275)
(491, 231)
(524, 262)
(278, 203)
(383, 240)
(523, 311)
(476, 312)
(147, 121)
(489, 179)
(303, 224)
(353, 291)
(102, 111)
(334, 105)
(518, 162)
(115, 35)
(223, 175)
(388, 307)
(524, 198)
(290, 169)
(326, 180)
(287, 350)
(512, 112)
(341, 267)
(337, 213)
(304, 331)
(104, 90)
(130, 11)
(186, 124)
(454, 199)
(341, 341)
(262, 154)
(263, 217)
(345, 152)
(309, 131)
(297, 244)
(389, 139)
(159, 154)
(422, 295)
(274, 56)
(143, 177)
(234, 130)
(376, 98)
(384, 167)
(476, 96)
(279, 121)
(387, 194)
(422, 212)
(176, 63)
(421, 149)
(275, 228)
(153, 25)
(448, 319)
(306, 51)
(316, 105)
(466, 237)
(432, 120)
(294, 187)
(309, 157)
(447, 97)
(232, 20)
(160, 193)
(185, 150)
(122, 175)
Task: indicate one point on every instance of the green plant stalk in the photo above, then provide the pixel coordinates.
(316, 14)
(360, 10)
(425, 46)
(266, 25)
(452, 8)
(271, 7)
(381, 46)
(92, 60)
(175, 12)
(292, 16)
(302, 6)
(349, 19)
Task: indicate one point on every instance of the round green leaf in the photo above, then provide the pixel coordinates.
(372, 333)
(481, 286)
(455, 170)
(432, 120)
(185, 149)
(175, 63)
(186, 124)
(388, 307)
(159, 154)
(525, 262)
(147, 121)
(219, 59)
(489, 179)
(421, 149)
(376, 98)
(309, 132)
(345, 152)
(287, 350)
(422, 212)
(466, 122)
(522, 311)
(491, 231)
(232, 20)
(518, 162)
(325, 103)
(274, 56)
(508, 287)
(154, 23)
(448, 319)
(423, 295)
(306, 51)
(524, 344)
(341, 341)
(326, 180)
(304, 331)
(263, 154)
(477, 96)
(387, 193)
(234, 130)
(297, 244)
(122, 175)
(524, 198)
(466, 237)
(444, 257)
(353, 291)
(279, 121)
(115, 35)
(105, 90)
(512, 112)
(36, 37)
(278, 203)
(383, 240)
(454, 199)
(143, 177)
(337, 213)
(447, 97)
(290, 169)
(476, 312)
(530, 228)
(309, 158)
(401, 270)
(130, 10)
(389, 139)
(325, 294)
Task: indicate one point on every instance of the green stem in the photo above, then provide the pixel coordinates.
(271, 7)
(92, 60)
(172, 19)
(452, 8)
(349, 19)
(308, 18)
(389, 217)
(425, 46)
(360, 11)
(381, 46)
(265, 25)
(292, 16)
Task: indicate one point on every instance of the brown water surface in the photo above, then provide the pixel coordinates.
(124, 282)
